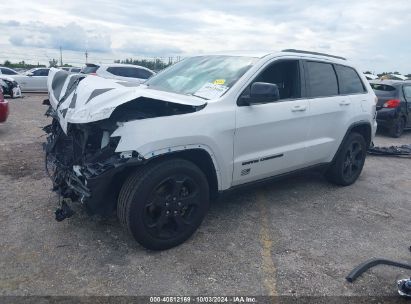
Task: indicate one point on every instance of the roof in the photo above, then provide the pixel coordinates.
(290, 52)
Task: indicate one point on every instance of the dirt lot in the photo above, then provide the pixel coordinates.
(299, 236)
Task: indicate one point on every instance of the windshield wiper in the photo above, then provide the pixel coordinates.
(198, 96)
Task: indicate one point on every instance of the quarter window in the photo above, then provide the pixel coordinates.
(407, 93)
(349, 81)
(322, 80)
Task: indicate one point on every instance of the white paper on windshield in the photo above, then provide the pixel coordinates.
(211, 91)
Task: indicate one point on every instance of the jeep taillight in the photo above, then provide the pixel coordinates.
(392, 103)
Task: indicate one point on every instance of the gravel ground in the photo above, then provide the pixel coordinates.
(299, 236)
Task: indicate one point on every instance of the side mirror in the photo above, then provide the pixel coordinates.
(260, 92)
(30, 74)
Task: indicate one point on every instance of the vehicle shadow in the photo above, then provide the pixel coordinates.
(231, 206)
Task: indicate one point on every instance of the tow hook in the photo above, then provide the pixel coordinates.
(63, 212)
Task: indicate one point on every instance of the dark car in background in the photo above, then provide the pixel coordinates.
(394, 105)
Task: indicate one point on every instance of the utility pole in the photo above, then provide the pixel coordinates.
(61, 57)
(86, 53)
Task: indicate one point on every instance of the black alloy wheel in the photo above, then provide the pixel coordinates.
(162, 204)
(349, 161)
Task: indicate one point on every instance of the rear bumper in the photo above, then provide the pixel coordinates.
(386, 117)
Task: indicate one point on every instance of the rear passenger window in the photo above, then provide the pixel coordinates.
(349, 81)
(322, 80)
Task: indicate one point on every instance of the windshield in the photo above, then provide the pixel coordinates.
(207, 77)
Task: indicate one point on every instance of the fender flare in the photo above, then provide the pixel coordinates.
(350, 128)
(175, 149)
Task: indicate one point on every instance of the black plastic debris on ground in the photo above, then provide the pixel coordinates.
(404, 150)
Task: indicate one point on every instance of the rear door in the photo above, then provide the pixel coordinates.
(407, 96)
(350, 84)
(330, 112)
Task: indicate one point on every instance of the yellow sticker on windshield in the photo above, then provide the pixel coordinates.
(219, 81)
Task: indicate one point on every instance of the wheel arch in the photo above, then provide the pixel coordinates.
(362, 127)
(201, 157)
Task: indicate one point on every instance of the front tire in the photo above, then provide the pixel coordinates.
(163, 204)
(349, 161)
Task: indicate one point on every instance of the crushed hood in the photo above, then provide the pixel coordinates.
(79, 98)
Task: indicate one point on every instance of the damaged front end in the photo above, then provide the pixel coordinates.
(81, 152)
(83, 163)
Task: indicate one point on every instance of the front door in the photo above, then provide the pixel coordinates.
(270, 138)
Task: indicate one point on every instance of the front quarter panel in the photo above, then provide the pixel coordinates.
(211, 129)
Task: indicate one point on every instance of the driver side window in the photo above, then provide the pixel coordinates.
(285, 74)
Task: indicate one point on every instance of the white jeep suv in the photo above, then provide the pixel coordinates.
(158, 152)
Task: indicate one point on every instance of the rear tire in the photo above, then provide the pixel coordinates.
(163, 204)
(349, 161)
(398, 127)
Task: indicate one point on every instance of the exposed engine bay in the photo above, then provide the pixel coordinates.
(82, 159)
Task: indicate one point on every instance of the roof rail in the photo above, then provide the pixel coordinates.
(312, 53)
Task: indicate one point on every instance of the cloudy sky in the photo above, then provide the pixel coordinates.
(372, 33)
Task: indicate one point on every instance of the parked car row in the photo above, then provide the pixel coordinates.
(35, 80)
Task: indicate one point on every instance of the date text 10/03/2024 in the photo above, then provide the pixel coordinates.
(203, 299)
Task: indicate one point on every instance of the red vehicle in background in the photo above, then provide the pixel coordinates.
(4, 108)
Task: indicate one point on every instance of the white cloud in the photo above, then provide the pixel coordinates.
(369, 32)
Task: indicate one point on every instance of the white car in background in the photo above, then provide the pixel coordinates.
(34, 80)
(126, 72)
